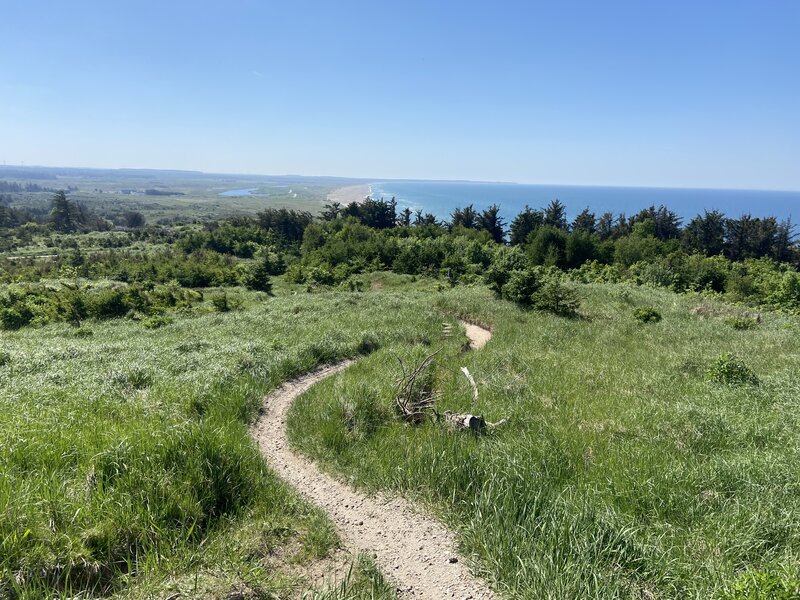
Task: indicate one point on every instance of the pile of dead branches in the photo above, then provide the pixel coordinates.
(415, 399)
(415, 395)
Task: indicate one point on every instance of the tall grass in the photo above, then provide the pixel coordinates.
(623, 473)
(125, 462)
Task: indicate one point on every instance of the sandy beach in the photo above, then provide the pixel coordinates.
(350, 193)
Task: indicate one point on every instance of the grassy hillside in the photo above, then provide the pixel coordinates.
(126, 466)
(624, 471)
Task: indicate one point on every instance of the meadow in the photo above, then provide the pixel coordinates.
(126, 463)
(647, 371)
(623, 472)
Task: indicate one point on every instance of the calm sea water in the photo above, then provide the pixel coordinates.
(440, 198)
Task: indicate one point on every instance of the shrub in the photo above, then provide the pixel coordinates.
(521, 286)
(257, 275)
(760, 585)
(742, 323)
(369, 343)
(554, 297)
(15, 318)
(221, 302)
(647, 315)
(156, 321)
(505, 261)
(5, 358)
(730, 370)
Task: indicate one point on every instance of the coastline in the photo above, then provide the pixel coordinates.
(351, 193)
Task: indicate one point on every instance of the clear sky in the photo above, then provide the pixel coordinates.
(670, 93)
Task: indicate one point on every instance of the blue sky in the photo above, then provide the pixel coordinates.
(679, 93)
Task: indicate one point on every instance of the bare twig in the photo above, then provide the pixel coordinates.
(474, 385)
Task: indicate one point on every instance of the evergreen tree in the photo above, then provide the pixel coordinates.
(705, 233)
(404, 220)
(491, 221)
(524, 224)
(424, 219)
(466, 217)
(331, 211)
(62, 213)
(605, 225)
(555, 215)
(667, 224)
(585, 221)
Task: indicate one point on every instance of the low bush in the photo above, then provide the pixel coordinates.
(761, 585)
(742, 323)
(156, 321)
(647, 315)
(730, 370)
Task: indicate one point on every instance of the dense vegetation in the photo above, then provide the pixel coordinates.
(652, 445)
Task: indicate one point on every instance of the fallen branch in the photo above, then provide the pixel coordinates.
(474, 385)
(414, 394)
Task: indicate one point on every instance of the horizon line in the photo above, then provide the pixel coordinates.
(373, 180)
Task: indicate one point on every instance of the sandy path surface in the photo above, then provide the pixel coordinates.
(415, 551)
(478, 336)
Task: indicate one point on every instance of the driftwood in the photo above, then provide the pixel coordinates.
(474, 423)
(467, 422)
(415, 399)
(474, 385)
(414, 394)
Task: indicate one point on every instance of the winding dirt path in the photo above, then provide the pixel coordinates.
(413, 550)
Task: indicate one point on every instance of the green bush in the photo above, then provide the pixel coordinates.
(647, 315)
(221, 302)
(760, 585)
(742, 323)
(521, 286)
(554, 297)
(730, 370)
(156, 321)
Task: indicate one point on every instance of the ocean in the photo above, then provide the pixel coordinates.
(440, 198)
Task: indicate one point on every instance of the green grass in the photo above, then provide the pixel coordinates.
(623, 473)
(126, 466)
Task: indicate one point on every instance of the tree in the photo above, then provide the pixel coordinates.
(548, 247)
(585, 221)
(466, 217)
(667, 224)
(134, 219)
(580, 248)
(331, 211)
(555, 215)
(404, 220)
(62, 213)
(490, 220)
(289, 225)
(424, 219)
(524, 224)
(379, 214)
(705, 234)
(605, 225)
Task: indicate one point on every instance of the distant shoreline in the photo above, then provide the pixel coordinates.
(350, 193)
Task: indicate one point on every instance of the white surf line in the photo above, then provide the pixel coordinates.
(413, 550)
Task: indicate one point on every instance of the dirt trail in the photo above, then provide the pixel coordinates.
(413, 550)
(478, 336)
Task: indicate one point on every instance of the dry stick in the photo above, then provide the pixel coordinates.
(413, 411)
(474, 385)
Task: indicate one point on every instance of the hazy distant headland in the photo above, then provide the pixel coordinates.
(207, 194)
